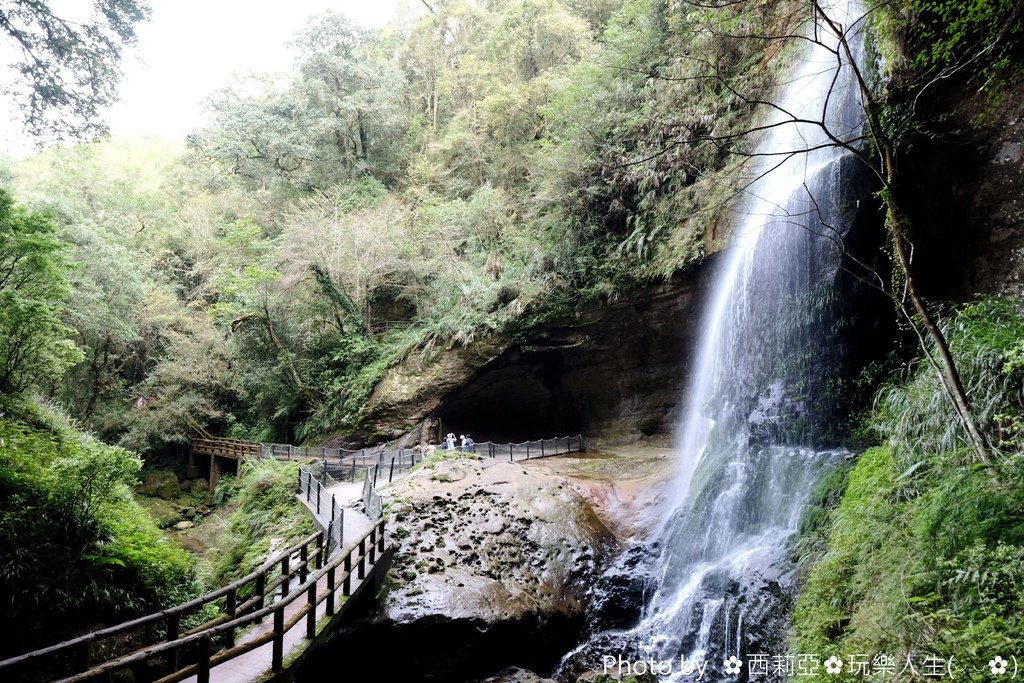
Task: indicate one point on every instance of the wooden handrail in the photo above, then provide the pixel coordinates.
(171, 612)
(151, 652)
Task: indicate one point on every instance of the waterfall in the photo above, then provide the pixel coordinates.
(754, 404)
(747, 436)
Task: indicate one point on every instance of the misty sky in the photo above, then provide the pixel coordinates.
(191, 47)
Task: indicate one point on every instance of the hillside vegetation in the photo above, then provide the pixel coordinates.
(402, 191)
(922, 553)
(78, 550)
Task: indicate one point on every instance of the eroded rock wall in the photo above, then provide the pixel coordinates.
(614, 375)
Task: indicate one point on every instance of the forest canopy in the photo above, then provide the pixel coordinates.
(402, 191)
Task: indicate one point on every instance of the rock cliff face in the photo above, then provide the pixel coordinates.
(967, 181)
(614, 375)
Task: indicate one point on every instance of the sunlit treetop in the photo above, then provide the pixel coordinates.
(66, 67)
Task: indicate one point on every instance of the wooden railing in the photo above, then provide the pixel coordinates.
(170, 647)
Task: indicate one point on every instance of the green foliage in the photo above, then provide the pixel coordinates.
(481, 171)
(77, 547)
(915, 415)
(268, 515)
(853, 582)
(34, 348)
(949, 33)
(922, 553)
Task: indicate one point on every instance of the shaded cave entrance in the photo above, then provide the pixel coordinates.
(517, 398)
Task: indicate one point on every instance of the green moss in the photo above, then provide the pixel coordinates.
(923, 552)
(842, 600)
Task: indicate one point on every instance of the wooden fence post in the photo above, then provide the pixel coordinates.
(311, 614)
(203, 674)
(173, 630)
(330, 592)
(304, 559)
(230, 607)
(277, 658)
(260, 592)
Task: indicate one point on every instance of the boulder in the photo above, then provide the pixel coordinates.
(160, 484)
(184, 524)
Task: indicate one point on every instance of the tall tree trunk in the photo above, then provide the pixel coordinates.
(945, 363)
(286, 354)
(96, 368)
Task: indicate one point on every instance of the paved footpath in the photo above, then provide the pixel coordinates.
(253, 666)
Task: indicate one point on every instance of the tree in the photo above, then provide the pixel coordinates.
(34, 344)
(351, 101)
(341, 118)
(68, 68)
(361, 252)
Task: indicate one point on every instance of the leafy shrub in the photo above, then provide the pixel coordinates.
(923, 552)
(77, 549)
(269, 513)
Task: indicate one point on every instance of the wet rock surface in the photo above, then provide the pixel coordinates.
(492, 541)
(498, 566)
(966, 194)
(514, 674)
(625, 486)
(490, 577)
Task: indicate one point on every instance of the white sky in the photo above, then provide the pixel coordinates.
(189, 48)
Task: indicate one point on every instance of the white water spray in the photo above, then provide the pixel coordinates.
(746, 439)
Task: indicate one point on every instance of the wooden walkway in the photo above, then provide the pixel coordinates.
(271, 617)
(258, 664)
(301, 585)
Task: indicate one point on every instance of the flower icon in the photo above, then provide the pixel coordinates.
(997, 666)
(733, 665)
(833, 665)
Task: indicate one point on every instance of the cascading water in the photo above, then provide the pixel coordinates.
(754, 405)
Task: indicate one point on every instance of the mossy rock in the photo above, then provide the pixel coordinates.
(165, 513)
(159, 484)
